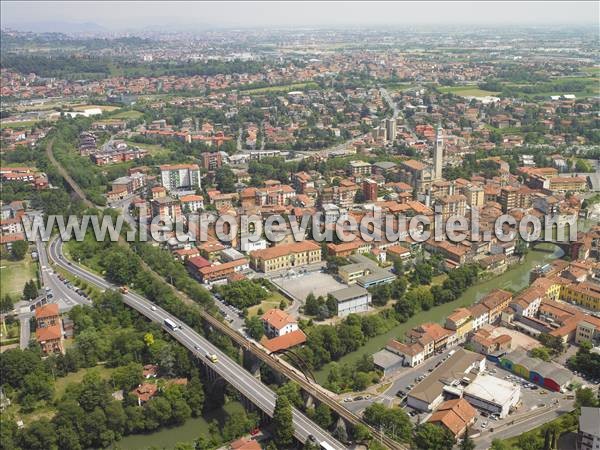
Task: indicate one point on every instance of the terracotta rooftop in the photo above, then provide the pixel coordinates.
(48, 310)
(50, 333)
(286, 249)
(277, 318)
(286, 341)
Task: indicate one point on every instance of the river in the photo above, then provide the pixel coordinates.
(167, 438)
(515, 278)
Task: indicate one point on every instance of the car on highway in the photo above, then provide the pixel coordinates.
(153, 308)
(197, 347)
(212, 357)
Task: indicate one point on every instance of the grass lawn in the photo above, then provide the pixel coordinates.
(60, 385)
(270, 302)
(24, 124)
(126, 115)
(11, 336)
(512, 442)
(14, 274)
(591, 70)
(284, 88)
(466, 91)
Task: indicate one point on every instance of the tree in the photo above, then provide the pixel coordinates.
(497, 444)
(6, 304)
(541, 353)
(311, 307)
(127, 377)
(361, 433)
(586, 397)
(225, 180)
(19, 249)
(30, 290)
(322, 416)
(394, 421)
(195, 395)
(433, 437)
(40, 435)
(291, 391)
(423, 273)
(467, 443)
(156, 412)
(282, 422)
(255, 328)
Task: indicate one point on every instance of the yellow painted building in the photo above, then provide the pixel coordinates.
(585, 294)
(461, 321)
(287, 256)
(351, 272)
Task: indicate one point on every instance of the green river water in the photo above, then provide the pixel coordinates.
(516, 279)
(188, 432)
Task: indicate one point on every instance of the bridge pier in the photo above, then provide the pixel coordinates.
(341, 432)
(252, 363)
(309, 401)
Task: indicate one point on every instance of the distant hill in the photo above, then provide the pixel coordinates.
(56, 27)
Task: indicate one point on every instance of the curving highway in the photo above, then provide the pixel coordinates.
(251, 388)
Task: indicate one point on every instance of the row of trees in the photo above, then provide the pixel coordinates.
(86, 414)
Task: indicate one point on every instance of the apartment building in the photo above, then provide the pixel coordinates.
(180, 176)
(286, 256)
(586, 294)
(496, 301)
(461, 322)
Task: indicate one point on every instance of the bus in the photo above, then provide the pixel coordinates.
(325, 446)
(171, 325)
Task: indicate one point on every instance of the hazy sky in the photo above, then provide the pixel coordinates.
(140, 14)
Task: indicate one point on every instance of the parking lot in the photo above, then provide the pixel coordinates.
(533, 398)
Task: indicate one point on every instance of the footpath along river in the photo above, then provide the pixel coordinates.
(515, 279)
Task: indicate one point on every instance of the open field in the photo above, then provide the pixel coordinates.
(272, 301)
(14, 274)
(24, 124)
(466, 91)
(61, 383)
(284, 88)
(126, 115)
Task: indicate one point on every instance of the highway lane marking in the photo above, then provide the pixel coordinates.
(262, 393)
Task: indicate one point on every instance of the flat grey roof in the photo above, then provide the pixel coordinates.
(454, 368)
(589, 420)
(342, 295)
(545, 369)
(386, 359)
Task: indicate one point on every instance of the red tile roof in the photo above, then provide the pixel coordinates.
(48, 310)
(288, 340)
(278, 318)
(51, 333)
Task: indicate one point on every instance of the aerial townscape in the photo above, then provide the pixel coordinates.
(289, 225)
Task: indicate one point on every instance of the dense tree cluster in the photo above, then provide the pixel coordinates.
(585, 362)
(330, 342)
(86, 414)
(393, 421)
(356, 376)
(243, 293)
